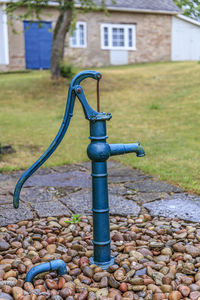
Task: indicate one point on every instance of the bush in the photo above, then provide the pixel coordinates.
(66, 70)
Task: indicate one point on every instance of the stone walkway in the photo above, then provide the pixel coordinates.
(65, 190)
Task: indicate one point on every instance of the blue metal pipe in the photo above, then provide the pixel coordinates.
(118, 149)
(54, 265)
(99, 151)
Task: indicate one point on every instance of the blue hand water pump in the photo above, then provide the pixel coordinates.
(98, 151)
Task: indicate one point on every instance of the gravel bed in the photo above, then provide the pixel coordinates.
(155, 258)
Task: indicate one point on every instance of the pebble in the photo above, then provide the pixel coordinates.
(185, 290)
(4, 245)
(17, 292)
(5, 296)
(113, 282)
(51, 248)
(10, 273)
(119, 274)
(87, 271)
(193, 251)
(51, 284)
(99, 275)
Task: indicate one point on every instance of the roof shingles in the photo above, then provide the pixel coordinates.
(155, 5)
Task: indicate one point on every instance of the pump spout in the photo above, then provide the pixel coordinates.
(118, 149)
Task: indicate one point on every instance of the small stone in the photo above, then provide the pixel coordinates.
(63, 223)
(138, 288)
(175, 295)
(137, 281)
(21, 268)
(194, 287)
(156, 245)
(113, 282)
(117, 237)
(61, 283)
(51, 284)
(28, 286)
(51, 248)
(56, 297)
(54, 224)
(119, 274)
(5, 296)
(64, 293)
(162, 258)
(103, 282)
(137, 255)
(17, 292)
(195, 295)
(75, 272)
(166, 288)
(16, 244)
(185, 290)
(145, 252)
(97, 276)
(37, 245)
(179, 247)
(193, 251)
(10, 273)
(7, 289)
(158, 296)
(141, 272)
(83, 261)
(166, 251)
(102, 293)
(78, 247)
(123, 287)
(157, 276)
(4, 245)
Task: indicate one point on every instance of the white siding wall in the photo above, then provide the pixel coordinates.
(185, 40)
(4, 54)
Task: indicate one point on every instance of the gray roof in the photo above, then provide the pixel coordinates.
(142, 5)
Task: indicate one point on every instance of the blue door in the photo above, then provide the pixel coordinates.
(38, 43)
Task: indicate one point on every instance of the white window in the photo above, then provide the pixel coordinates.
(78, 38)
(118, 36)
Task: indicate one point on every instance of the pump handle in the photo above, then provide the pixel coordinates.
(72, 93)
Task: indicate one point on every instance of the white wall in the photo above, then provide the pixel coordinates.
(4, 53)
(185, 39)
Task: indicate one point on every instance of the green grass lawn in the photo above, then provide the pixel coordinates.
(157, 104)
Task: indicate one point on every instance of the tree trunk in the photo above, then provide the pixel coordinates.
(61, 29)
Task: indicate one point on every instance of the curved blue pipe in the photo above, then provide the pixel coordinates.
(57, 264)
(63, 128)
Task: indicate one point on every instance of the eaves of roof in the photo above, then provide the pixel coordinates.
(189, 20)
(150, 11)
(115, 8)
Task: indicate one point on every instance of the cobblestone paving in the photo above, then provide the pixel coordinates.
(64, 190)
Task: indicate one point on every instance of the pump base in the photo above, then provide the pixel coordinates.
(103, 265)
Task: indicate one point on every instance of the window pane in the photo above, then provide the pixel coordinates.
(81, 34)
(74, 41)
(118, 37)
(105, 31)
(130, 37)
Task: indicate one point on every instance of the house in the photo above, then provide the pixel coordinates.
(134, 31)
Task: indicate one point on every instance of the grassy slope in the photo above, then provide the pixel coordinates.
(158, 104)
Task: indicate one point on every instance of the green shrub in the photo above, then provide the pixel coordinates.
(75, 219)
(66, 70)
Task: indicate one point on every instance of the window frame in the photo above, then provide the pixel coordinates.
(126, 28)
(76, 30)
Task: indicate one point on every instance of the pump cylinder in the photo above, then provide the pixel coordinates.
(99, 151)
